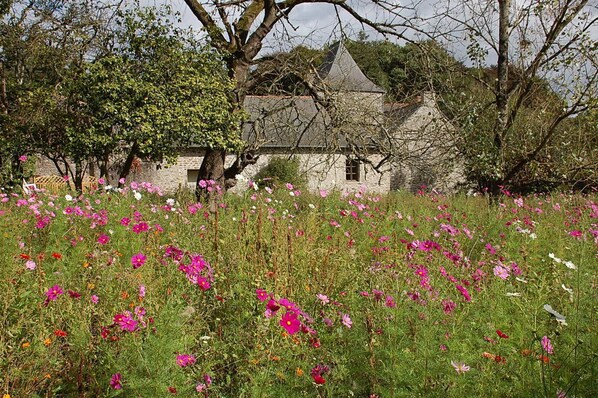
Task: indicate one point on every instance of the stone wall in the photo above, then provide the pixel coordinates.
(429, 144)
(323, 171)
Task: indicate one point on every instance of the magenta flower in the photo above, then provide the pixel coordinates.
(53, 293)
(203, 283)
(138, 260)
(547, 345)
(115, 381)
(464, 292)
(448, 306)
(125, 321)
(290, 322)
(185, 360)
(262, 295)
(103, 239)
(95, 299)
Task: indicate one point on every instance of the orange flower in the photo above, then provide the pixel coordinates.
(299, 372)
(489, 356)
(544, 359)
(526, 352)
(124, 295)
(26, 344)
(47, 341)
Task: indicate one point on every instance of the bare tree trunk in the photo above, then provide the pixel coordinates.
(79, 172)
(502, 98)
(212, 166)
(128, 163)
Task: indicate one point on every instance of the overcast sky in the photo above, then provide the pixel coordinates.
(310, 24)
(317, 24)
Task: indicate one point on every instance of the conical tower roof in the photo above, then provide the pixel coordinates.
(340, 72)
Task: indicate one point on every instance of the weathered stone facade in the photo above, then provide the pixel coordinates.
(324, 138)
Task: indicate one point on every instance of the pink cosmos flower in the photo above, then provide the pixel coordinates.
(490, 248)
(53, 293)
(290, 322)
(448, 306)
(185, 360)
(95, 299)
(464, 292)
(116, 381)
(138, 260)
(346, 320)
(460, 367)
(141, 291)
(262, 295)
(390, 302)
(203, 283)
(547, 345)
(323, 298)
(23, 158)
(30, 265)
(103, 239)
(501, 272)
(575, 233)
(125, 321)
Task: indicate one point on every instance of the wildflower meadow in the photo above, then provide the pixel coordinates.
(282, 293)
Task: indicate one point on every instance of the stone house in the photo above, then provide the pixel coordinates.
(340, 135)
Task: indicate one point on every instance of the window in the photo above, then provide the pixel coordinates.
(192, 178)
(352, 170)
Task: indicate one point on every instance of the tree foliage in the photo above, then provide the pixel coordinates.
(158, 90)
(84, 84)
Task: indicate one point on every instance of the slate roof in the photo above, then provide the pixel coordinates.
(286, 122)
(298, 122)
(340, 72)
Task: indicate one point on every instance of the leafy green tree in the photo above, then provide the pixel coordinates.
(43, 43)
(156, 91)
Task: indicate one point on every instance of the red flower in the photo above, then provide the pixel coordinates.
(172, 390)
(57, 256)
(318, 379)
(501, 334)
(60, 333)
(25, 256)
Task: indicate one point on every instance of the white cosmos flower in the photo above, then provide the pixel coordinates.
(570, 265)
(567, 289)
(68, 198)
(137, 195)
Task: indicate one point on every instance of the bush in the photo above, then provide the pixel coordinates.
(281, 170)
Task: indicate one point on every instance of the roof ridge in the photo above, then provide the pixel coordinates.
(339, 71)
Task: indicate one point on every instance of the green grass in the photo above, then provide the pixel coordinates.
(401, 341)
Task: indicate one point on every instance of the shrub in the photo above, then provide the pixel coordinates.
(280, 170)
